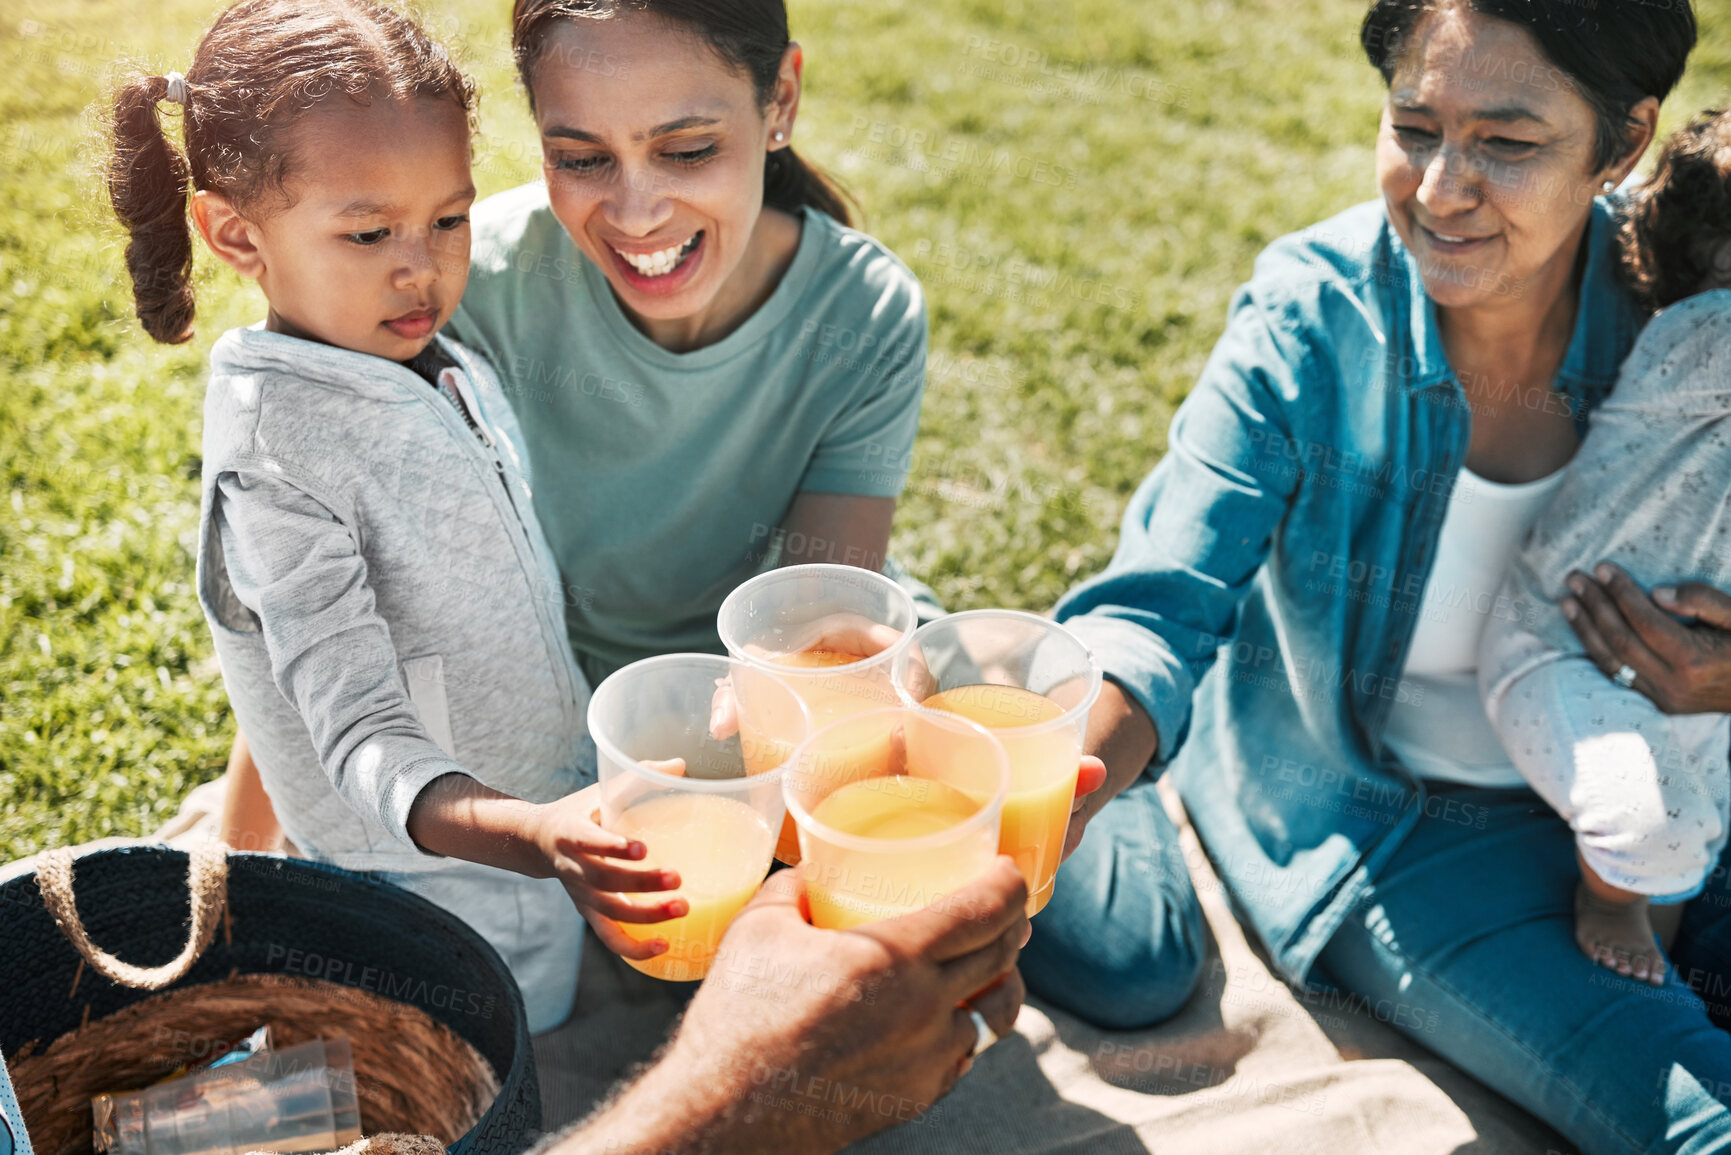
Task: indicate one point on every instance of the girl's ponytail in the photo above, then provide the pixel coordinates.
(148, 182)
(789, 184)
(262, 65)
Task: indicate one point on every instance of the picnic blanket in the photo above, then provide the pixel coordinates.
(1249, 1066)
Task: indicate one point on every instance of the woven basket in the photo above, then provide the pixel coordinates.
(308, 947)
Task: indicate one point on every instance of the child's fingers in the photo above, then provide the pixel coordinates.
(605, 874)
(622, 909)
(577, 829)
(621, 943)
(845, 633)
(673, 766)
(918, 679)
(598, 843)
(898, 762)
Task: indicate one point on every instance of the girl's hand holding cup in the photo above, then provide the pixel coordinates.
(598, 870)
(460, 817)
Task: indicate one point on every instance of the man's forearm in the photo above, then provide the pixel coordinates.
(678, 1107)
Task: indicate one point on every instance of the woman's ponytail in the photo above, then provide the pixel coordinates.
(148, 182)
(790, 184)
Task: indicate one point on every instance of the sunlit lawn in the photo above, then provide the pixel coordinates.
(1080, 185)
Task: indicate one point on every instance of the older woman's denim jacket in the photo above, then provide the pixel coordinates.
(1270, 569)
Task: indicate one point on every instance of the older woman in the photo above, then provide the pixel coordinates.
(1291, 618)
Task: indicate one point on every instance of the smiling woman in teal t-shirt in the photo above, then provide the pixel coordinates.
(712, 371)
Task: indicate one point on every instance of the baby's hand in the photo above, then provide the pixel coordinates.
(592, 865)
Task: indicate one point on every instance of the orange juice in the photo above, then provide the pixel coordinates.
(720, 847)
(767, 737)
(831, 699)
(1043, 769)
(770, 723)
(848, 887)
(816, 658)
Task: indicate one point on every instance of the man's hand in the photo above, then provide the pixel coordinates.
(1684, 667)
(804, 1040)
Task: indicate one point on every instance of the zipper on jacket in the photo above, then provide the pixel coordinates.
(461, 395)
(463, 398)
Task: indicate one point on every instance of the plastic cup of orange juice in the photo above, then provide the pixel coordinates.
(1031, 682)
(895, 809)
(831, 633)
(706, 807)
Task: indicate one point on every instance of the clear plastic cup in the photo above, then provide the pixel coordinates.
(831, 632)
(704, 806)
(1031, 682)
(896, 809)
(301, 1098)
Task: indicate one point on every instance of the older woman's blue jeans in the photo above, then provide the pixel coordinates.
(1121, 944)
(1466, 943)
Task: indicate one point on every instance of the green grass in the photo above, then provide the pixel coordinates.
(1080, 184)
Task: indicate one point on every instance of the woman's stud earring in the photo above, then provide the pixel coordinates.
(1609, 186)
(780, 136)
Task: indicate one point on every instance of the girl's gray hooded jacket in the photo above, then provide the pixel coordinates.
(386, 611)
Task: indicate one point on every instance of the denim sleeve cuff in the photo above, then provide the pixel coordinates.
(1141, 662)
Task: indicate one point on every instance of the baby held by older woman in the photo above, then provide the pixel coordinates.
(1644, 792)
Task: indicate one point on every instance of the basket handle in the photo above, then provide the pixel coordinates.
(206, 878)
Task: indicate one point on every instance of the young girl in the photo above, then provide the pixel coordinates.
(1645, 793)
(383, 602)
